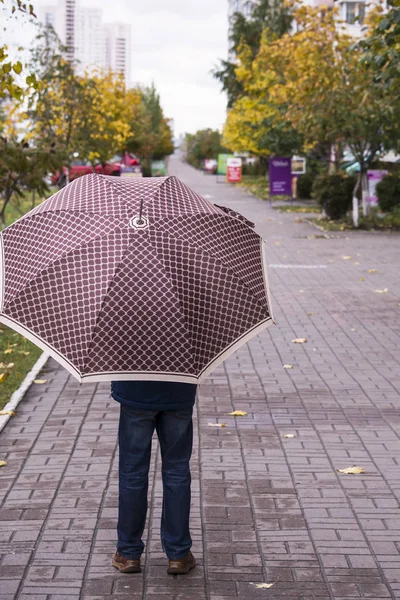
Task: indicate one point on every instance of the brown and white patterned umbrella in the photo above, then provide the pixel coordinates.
(121, 278)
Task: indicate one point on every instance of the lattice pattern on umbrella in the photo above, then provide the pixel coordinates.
(133, 278)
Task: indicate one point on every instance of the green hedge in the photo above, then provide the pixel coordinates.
(334, 193)
(388, 192)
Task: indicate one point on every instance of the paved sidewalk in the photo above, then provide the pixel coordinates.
(265, 508)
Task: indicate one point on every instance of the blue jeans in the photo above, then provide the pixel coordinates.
(175, 434)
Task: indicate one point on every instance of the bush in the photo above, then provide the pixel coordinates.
(304, 186)
(253, 169)
(334, 193)
(388, 192)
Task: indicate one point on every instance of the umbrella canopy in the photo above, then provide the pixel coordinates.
(139, 278)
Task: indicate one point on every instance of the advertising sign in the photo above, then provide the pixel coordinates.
(158, 168)
(298, 165)
(222, 158)
(374, 177)
(280, 176)
(234, 170)
(131, 171)
(210, 165)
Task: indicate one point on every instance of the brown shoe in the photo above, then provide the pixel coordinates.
(182, 566)
(126, 565)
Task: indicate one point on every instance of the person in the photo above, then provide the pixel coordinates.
(166, 407)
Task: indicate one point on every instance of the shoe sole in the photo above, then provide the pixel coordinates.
(126, 569)
(180, 571)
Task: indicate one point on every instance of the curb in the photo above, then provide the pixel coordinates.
(17, 396)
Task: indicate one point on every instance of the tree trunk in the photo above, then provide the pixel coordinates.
(355, 202)
(365, 194)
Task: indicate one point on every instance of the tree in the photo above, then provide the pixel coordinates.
(22, 168)
(312, 81)
(9, 87)
(272, 15)
(205, 143)
(152, 136)
(104, 128)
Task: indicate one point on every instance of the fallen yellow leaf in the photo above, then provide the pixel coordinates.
(362, 279)
(299, 341)
(23, 352)
(277, 243)
(382, 291)
(39, 381)
(311, 237)
(356, 263)
(351, 470)
(3, 377)
(288, 366)
(309, 314)
(216, 424)
(289, 435)
(264, 586)
(7, 412)
(238, 413)
(3, 463)
(8, 351)
(371, 270)
(346, 257)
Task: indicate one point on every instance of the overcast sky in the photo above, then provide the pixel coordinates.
(175, 43)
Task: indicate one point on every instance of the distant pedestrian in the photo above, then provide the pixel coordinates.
(166, 407)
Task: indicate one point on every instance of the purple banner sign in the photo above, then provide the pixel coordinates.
(280, 176)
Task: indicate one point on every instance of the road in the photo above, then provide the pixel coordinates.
(266, 508)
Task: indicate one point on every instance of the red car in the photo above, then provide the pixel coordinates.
(80, 167)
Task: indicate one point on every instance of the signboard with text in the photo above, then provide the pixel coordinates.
(298, 165)
(280, 176)
(234, 170)
(222, 159)
(131, 171)
(158, 168)
(210, 165)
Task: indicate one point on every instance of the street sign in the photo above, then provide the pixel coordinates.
(280, 176)
(298, 165)
(234, 170)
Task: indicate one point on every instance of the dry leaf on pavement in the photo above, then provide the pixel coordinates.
(382, 291)
(310, 314)
(288, 366)
(362, 279)
(346, 257)
(264, 586)
(216, 424)
(39, 380)
(238, 413)
(3, 463)
(289, 435)
(351, 470)
(7, 412)
(299, 341)
(371, 270)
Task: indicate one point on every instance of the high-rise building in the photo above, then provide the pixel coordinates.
(88, 40)
(117, 37)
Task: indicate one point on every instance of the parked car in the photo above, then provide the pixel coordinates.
(80, 167)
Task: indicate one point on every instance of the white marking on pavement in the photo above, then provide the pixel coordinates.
(297, 266)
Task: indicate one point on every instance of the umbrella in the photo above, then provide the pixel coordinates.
(133, 278)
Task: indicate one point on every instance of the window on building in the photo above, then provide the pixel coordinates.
(354, 12)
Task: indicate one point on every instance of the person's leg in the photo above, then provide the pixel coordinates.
(175, 433)
(135, 432)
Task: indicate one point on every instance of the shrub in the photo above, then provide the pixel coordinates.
(304, 186)
(334, 193)
(388, 192)
(253, 169)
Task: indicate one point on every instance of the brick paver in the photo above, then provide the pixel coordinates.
(265, 508)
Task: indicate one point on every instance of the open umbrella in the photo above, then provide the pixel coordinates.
(120, 278)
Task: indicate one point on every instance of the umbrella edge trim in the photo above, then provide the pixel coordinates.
(38, 341)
